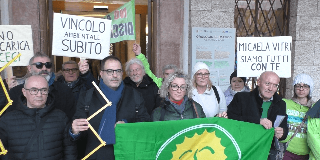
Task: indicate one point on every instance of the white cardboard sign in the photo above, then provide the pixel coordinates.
(15, 39)
(83, 37)
(259, 54)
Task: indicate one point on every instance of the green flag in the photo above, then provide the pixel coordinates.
(123, 23)
(195, 139)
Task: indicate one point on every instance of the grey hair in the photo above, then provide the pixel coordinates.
(169, 66)
(70, 62)
(133, 61)
(27, 79)
(38, 54)
(164, 90)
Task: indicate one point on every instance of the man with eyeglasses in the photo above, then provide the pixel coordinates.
(262, 106)
(76, 76)
(36, 129)
(40, 64)
(138, 79)
(127, 106)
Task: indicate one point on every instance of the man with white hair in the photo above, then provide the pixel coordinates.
(142, 83)
(40, 64)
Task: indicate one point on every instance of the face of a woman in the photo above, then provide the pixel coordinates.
(202, 77)
(302, 90)
(237, 84)
(177, 89)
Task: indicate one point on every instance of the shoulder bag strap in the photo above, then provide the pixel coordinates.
(216, 93)
(34, 137)
(297, 129)
(195, 109)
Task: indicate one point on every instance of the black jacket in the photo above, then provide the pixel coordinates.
(247, 107)
(53, 142)
(64, 99)
(149, 91)
(126, 109)
(84, 83)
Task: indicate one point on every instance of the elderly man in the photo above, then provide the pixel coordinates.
(77, 77)
(262, 106)
(142, 83)
(127, 106)
(166, 70)
(40, 64)
(36, 130)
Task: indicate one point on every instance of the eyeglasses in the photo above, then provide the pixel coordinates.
(34, 91)
(39, 65)
(135, 70)
(199, 75)
(110, 72)
(271, 84)
(301, 86)
(175, 87)
(72, 70)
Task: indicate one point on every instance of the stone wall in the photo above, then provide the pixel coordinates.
(304, 28)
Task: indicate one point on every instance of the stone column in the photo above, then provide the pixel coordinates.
(305, 31)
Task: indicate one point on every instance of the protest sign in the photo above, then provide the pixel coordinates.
(201, 138)
(15, 39)
(259, 54)
(123, 23)
(83, 37)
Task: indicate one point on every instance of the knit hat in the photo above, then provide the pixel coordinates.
(198, 66)
(234, 74)
(304, 78)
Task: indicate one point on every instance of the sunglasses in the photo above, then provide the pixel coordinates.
(39, 65)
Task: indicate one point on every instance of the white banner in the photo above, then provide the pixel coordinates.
(15, 39)
(83, 37)
(259, 54)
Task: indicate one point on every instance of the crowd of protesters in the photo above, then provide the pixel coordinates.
(56, 109)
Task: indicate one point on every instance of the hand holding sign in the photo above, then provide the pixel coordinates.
(83, 66)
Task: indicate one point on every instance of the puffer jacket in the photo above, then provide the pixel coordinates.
(172, 114)
(53, 142)
(229, 94)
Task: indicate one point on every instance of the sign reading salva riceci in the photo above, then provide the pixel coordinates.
(15, 39)
(83, 37)
(259, 54)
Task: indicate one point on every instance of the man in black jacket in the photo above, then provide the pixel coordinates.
(262, 106)
(36, 130)
(142, 83)
(127, 106)
(40, 64)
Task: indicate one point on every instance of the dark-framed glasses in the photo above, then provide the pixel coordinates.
(34, 91)
(199, 75)
(111, 71)
(39, 65)
(298, 86)
(70, 69)
(175, 87)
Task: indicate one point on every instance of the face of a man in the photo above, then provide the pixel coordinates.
(44, 71)
(111, 79)
(136, 73)
(167, 73)
(37, 100)
(268, 84)
(177, 89)
(70, 72)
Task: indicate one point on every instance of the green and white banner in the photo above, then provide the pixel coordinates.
(123, 23)
(196, 139)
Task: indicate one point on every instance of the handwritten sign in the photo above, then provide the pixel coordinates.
(15, 39)
(83, 37)
(259, 54)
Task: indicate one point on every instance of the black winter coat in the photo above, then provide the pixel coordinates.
(64, 99)
(126, 109)
(53, 142)
(149, 91)
(247, 107)
(84, 83)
